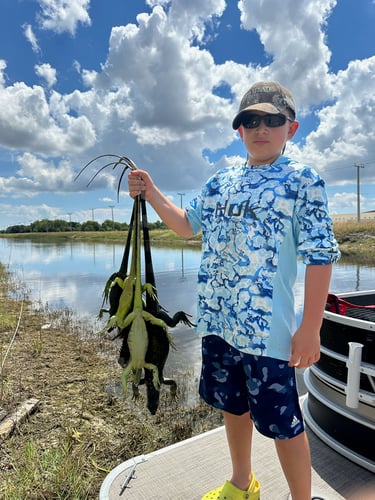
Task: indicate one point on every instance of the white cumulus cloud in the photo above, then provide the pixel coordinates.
(64, 15)
(46, 72)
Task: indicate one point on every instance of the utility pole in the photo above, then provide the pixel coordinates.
(70, 220)
(92, 214)
(181, 195)
(358, 166)
(113, 220)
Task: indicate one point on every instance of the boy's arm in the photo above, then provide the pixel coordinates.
(306, 341)
(174, 217)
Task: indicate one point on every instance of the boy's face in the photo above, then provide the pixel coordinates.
(265, 144)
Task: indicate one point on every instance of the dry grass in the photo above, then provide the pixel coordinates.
(83, 427)
(357, 241)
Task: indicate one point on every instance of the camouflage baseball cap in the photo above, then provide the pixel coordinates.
(270, 97)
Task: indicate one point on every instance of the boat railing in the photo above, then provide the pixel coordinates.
(340, 403)
(349, 320)
(355, 367)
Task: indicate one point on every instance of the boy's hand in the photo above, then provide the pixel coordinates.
(305, 347)
(139, 181)
(305, 344)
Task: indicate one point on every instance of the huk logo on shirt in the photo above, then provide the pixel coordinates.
(243, 209)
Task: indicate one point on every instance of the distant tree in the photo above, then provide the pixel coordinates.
(90, 225)
(18, 228)
(59, 225)
(76, 226)
(118, 226)
(123, 226)
(107, 225)
(42, 226)
(157, 225)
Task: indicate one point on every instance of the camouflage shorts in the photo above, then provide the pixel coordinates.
(237, 383)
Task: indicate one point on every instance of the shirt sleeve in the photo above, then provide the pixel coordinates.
(194, 214)
(313, 225)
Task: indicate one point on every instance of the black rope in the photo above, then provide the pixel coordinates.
(125, 258)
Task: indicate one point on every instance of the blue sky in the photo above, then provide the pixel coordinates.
(160, 81)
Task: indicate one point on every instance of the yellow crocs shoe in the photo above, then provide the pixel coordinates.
(230, 492)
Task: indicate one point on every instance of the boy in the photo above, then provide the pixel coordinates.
(256, 219)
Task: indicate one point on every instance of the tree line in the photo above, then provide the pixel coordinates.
(60, 225)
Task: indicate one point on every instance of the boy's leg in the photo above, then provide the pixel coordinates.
(294, 456)
(239, 431)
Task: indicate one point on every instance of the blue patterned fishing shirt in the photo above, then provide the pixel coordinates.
(255, 222)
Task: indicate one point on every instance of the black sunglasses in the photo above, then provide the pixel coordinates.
(253, 121)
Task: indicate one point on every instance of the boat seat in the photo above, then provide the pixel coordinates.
(359, 313)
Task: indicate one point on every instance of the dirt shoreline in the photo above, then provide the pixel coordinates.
(70, 371)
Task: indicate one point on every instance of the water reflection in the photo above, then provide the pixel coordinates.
(73, 274)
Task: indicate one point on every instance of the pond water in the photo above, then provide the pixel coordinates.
(73, 275)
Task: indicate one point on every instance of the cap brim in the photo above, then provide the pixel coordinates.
(266, 107)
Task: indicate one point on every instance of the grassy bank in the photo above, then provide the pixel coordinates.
(83, 427)
(162, 236)
(357, 241)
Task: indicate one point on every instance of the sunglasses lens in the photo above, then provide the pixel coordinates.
(253, 121)
(274, 120)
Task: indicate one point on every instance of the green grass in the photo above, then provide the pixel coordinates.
(157, 236)
(58, 472)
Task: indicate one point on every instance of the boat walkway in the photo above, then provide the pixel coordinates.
(186, 470)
